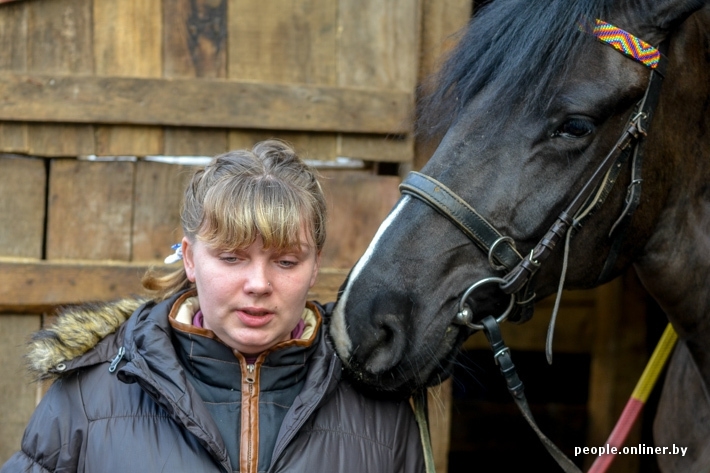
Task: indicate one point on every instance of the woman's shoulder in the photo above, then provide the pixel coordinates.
(76, 331)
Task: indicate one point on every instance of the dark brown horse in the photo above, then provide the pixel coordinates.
(531, 105)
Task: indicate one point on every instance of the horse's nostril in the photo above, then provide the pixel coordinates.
(388, 346)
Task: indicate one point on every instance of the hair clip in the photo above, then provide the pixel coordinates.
(175, 257)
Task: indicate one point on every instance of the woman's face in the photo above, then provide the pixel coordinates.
(252, 298)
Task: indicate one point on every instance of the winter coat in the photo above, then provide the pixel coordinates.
(122, 401)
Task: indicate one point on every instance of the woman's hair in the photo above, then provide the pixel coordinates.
(267, 191)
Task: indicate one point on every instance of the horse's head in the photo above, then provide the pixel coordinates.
(529, 105)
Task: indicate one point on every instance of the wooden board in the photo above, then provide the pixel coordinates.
(18, 393)
(127, 43)
(378, 44)
(37, 286)
(203, 102)
(441, 23)
(13, 30)
(194, 45)
(357, 205)
(158, 197)
(89, 210)
(22, 192)
(59, 42)
(283, 42)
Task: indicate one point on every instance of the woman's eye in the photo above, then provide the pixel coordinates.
(287, 263)
(574, 128)
(228, 258)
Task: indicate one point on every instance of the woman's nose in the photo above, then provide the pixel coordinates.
(257, 279)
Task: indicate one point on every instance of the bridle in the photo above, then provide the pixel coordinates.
(501, 250)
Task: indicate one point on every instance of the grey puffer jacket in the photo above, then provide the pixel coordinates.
(137, 412)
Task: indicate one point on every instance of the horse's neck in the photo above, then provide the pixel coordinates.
(675, 266)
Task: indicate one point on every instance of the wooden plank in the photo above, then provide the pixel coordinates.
(390, 149)
(39, 285)
(13, 137)
(203, 102)
(195, 38)
(316, 146)
(23, 183)
(60, 140)
(357, 205)
(378, 44)
(194, 141)
(16, 389)
(194, 45)
(13, 32)
(441, 21)
(283, 42)
(128, 140)
(158, 196)
(127, 43)
(60, 42)
(90, 210)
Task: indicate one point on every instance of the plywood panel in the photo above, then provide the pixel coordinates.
(23, 184)
(17, 392)
(90, 210)
(357, 205)
(60, 42)
(158, 197)
(195, 45)
(127, 43)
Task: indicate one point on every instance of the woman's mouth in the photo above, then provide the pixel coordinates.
(254, 317)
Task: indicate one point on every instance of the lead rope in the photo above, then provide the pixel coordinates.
(422, 417)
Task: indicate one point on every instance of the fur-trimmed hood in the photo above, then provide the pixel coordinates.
(77, 330)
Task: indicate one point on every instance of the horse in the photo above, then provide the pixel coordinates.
(551, 165)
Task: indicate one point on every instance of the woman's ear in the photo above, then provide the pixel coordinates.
(188, 260)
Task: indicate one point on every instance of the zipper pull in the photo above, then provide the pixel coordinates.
(116, 360)
(250, 376)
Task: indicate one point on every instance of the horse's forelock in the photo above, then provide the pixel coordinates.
(519, 48)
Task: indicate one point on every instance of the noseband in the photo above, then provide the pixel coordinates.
(500, 249)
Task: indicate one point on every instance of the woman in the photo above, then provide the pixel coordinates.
(228, 368)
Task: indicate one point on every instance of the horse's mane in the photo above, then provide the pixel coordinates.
(520, 48)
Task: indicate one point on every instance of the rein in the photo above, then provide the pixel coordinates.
(501, 250)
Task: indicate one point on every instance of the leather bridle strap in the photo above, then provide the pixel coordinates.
(466, 219)
(635, 131)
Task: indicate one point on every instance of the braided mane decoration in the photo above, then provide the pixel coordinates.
(627, 43)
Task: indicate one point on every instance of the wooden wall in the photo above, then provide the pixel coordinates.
(91, 89)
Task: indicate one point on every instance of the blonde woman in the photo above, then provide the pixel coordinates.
(228, 368)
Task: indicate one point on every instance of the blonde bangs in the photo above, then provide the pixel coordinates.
(273, 211)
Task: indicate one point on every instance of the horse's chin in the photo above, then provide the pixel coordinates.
(400, 381)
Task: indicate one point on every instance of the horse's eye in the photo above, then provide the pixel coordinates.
(574, 128)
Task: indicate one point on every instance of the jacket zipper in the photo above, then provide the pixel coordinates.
(252, 418)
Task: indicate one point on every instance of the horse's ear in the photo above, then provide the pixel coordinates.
(667, 15)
